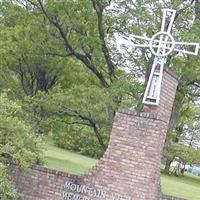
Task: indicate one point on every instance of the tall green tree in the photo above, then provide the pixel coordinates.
(75, 32)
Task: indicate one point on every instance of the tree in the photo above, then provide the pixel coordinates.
(34, 73)
(188, 88)
(73, 32)
(34, 76)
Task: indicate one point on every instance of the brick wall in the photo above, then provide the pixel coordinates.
(130, 167)
(41, 183)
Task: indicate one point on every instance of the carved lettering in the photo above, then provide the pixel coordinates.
(74, 191)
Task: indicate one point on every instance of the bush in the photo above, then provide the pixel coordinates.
(18, 145)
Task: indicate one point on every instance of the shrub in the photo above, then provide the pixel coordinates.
(18, 145)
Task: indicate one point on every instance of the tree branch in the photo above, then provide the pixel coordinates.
(91, 122)
(83, 58)
(99, 11)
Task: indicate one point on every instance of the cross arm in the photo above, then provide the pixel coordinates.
(177, 48)
(194, 46)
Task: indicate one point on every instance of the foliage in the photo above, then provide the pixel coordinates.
(71, 43)
(185, 154)
(6, 192)
(18, 145)
(77, 139)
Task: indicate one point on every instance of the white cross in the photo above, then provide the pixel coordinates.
(161, 45)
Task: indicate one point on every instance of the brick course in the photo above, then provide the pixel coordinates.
(131, 163)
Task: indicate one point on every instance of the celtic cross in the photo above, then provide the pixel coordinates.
(161, 45)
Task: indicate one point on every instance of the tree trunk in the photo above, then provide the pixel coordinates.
(167, 166)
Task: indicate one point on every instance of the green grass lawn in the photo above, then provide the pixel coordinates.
(67, 161)
(187, 187)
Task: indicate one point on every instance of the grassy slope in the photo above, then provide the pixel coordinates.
(187, 187)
